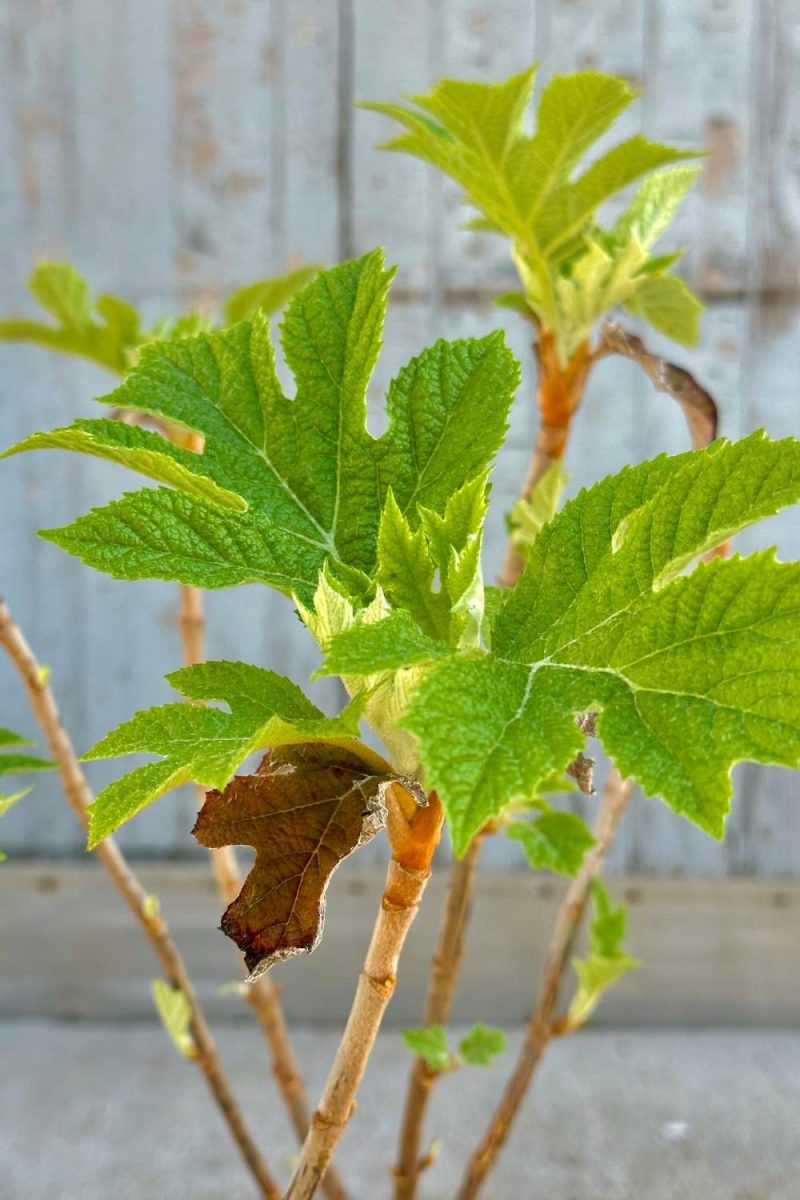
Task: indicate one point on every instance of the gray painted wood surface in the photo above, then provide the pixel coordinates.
(714, 952)
(175, 148)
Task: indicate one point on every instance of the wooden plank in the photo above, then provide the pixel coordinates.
(307, 60)
(725, 60)
(122, 146)
(766, 833)
(775, 176)
(39, 389)
(123, 234)
(224, 178)
(393, 197)
(713, 952)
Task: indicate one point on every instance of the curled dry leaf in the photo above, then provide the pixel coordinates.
(304, 811)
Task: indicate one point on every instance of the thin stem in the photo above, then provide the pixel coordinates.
(445, 970)
(264, 996)
(558, 396)
(79, 794)
(559, 393)
(539, 1029)
(408, 874)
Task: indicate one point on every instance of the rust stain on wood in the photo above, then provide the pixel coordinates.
(726, 146)
(238, 183)
(194, 74)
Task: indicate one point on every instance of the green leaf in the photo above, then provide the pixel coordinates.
(654, 204)
(529, 514)
(313, 478)
(161, 534)
(386, 645)
(444, 547)
(207, 744)
(8, 801)
(407, 570)
(595, 976)
(15, 764)
(106, 330)
(525, 187)
(571, 205)
(9, 738)
(430, 1045)
(669, 305)
(689, 673)
(138, 449)
(12, 762)
(555, 841)
(267, 295)
(609, 924)
(478, 138)
(481, 1045)
(606, 961)
(175, 1012)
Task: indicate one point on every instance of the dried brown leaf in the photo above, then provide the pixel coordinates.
(304, 811)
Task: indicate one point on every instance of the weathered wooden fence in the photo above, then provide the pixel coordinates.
(176, 148)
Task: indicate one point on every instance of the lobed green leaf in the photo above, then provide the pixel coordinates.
(603, 620)
(554, 841)
(524, 186)
(313, 479)
(206, 744)
(481, 1045)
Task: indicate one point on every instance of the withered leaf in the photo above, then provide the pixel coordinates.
(305, 810)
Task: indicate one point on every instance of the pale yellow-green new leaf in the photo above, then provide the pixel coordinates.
(175, 1012)
(531, 187)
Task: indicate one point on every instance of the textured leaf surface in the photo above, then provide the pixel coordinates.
(267, 295)
(689, 673)
(430, 1044)
(305, 810)
(207, 744)
(139, 450)
(606, 961)
(313, 479)
(554, 841)
(529, 514)
(481, 1045)
(386, 645)
(477, 1048)
(531, 188)
(433, 570)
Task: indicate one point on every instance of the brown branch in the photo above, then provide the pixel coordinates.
(445, 970)
(79, 795)
(413, 843)
(263, 995)
(698, 405)
(539, 1029)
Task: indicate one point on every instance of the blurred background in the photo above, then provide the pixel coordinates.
(175, 149)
